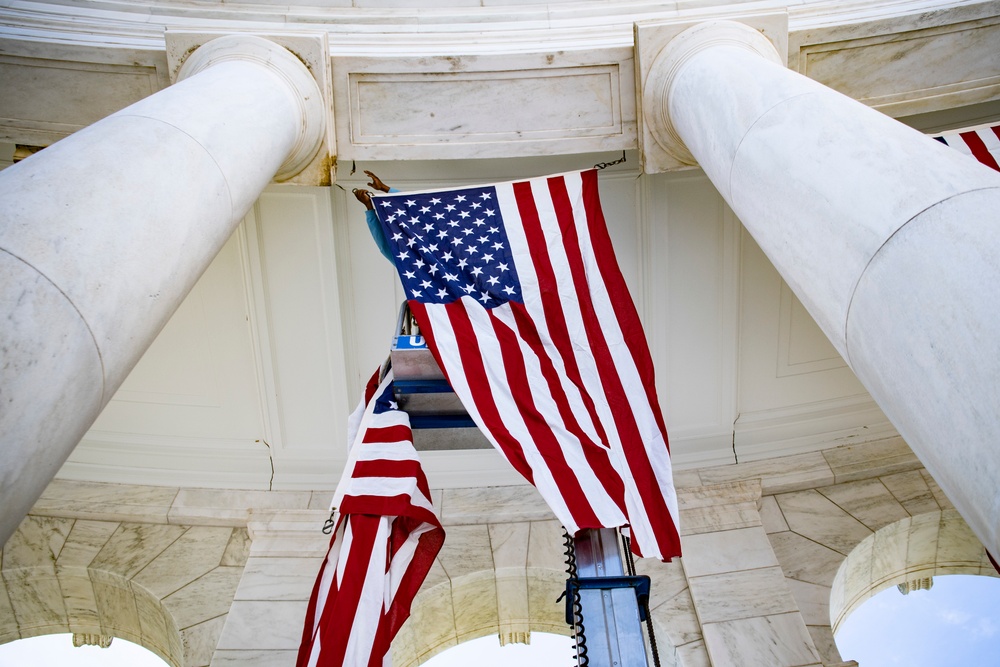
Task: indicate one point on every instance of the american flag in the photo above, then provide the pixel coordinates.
(982, 143)
(384, 543)
(519, 294)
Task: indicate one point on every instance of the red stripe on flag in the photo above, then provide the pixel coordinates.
(628, 429)
(383, 434)
(548, 286)
(555, 318)
(386, 468)
(475, 372)
(423, 559)
(541, 432)
(663, 524)
(382, 549)
(341, 610)
(597, 454)
(979, 150)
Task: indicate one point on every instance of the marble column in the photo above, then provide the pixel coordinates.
(103, 234)
(889, 238)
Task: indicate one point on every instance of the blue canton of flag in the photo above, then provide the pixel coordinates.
(450, 245)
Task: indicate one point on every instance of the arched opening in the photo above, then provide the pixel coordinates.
(906, 557)
(164, 587)
(94, 605)
(543, 650)
(951, 619)
(908, 550)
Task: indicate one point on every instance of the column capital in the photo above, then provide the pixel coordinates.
(299, 60)
(661, 51)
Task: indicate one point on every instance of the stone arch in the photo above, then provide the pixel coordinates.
(909, 550)
(495, 578)
(165, 587)
(507, 578)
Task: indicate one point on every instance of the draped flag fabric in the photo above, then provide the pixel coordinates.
(517, 289)
(384, 543)
(982, 143)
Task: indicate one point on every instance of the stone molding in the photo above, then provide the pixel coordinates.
(662, 50)
(298, 60)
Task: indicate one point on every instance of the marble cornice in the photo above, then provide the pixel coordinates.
(434, 29)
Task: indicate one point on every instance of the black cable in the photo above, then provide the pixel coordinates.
(630, 561)
(579, 634)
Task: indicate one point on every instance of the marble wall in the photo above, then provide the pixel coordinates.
(777, 554)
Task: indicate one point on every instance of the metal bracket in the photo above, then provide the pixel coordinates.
(640, 583)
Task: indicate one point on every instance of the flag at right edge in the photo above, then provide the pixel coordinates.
(981, 143)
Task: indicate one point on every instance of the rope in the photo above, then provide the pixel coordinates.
(602, 165)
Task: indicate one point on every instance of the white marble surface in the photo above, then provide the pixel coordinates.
(804, 559)
(677, 618)
(85, 541)
(868, 501)
(238, 548)
(36, 600)
(106, 502)
(727, 551)
(476, 604)
(37, 543)
(195, 553)
(900, 65)
(253, 625)
(133, 546)
(193, 506)
(788, 473)
(492, 504)
(488, 106)
(770, 515)
(253, 658)
(780, 639)
(860, 461)
(8, 622)
(742, 594)
(81, 602)
(205, 598)
(812, 600)
(200, 642)
(278, 579)
(812, 515)
(912, 492)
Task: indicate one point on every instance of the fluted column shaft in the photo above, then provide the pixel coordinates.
(104, 233)
(889, 238)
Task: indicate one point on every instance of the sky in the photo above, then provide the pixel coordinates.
(957, 622)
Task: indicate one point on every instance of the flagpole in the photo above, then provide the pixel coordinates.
(603, 603)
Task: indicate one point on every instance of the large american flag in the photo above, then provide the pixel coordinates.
(519, 294)
(384, 543)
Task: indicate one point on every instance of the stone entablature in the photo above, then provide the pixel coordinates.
(446, 66)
